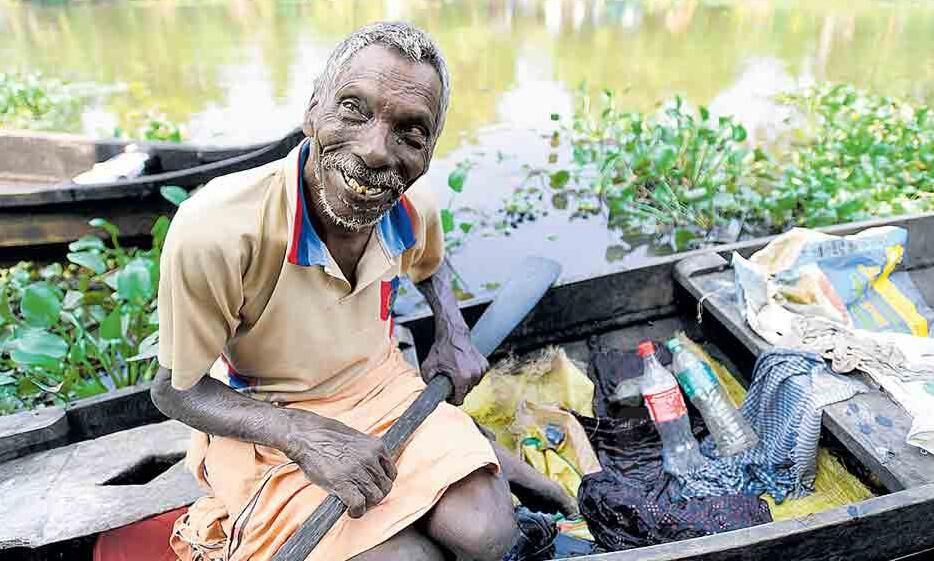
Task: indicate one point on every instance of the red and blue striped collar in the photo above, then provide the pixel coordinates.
(394, 230)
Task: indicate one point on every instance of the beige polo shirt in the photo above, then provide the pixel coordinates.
(250, 292)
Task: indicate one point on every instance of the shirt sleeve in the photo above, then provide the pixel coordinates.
(423, 259)
(200, 294)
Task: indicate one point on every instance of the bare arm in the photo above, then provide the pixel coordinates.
(452, 352)
(355, 466)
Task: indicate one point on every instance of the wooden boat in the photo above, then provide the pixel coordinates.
(80, 482)
(40, 205)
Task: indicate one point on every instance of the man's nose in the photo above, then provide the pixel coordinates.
(373, 147)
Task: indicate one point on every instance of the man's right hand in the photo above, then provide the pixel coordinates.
(352, 465)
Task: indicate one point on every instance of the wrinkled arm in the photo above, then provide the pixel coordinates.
(452, 351)
(354, 466)
(213, 408)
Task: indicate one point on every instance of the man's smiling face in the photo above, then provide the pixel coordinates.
(374, 130)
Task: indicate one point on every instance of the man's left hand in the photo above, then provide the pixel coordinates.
(457, 357)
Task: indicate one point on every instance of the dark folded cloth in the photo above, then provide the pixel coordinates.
(633, 502)
(536, 538)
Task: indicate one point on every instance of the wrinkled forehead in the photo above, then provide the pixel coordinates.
(382, 70)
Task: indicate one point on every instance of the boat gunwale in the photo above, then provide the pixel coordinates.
(218, 161)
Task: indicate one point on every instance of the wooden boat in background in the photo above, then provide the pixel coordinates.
(71, 475)
(40, 205)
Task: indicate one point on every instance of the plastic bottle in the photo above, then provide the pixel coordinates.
(680, 451)
(730, 430)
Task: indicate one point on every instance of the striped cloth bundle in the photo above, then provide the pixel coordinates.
(784, 403)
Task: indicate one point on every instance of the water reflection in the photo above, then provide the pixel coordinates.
(242, 70)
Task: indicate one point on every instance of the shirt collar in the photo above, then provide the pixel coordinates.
(394, 230)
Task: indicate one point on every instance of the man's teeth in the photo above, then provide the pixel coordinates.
(362, 189)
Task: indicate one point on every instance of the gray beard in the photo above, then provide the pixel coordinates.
(354, 224)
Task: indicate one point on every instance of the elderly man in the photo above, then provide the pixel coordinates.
(279, 282)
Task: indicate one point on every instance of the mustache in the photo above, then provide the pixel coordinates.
(354, 167)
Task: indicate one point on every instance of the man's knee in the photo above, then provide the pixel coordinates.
(475, 518)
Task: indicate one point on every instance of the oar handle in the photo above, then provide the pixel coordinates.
(304, 541)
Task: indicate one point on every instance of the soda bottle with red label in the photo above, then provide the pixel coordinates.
(680, 451)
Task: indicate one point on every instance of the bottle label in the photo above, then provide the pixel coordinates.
(697, 380)
(666, 405)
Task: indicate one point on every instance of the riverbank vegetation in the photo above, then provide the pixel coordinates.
(34, 101)
(689, 178)
(681, 175)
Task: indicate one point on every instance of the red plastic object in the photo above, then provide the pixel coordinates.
(645, 348)
(146, 540)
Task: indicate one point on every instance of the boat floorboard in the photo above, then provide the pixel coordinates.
(870, 425)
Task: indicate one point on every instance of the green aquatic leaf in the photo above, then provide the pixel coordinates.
(560, 178)
(86, 243)
(457, 178)
(40, 305)
(159, 231)
(104, 225)
(664, 159)
(174, 194)
(682, 238)
(447, 220)
(135, 282)
(38, 347)
(89, 260)
(112, 326)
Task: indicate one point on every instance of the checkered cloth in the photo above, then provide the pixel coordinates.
(783, 405)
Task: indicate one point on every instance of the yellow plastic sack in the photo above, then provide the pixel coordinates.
(553, 442)
(549, 379)
(526, 406)
(834, 485)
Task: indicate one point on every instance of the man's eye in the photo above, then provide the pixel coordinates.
(350, 105)
(416, 136)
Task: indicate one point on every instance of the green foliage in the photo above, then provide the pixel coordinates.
(73, 331)
(32, 101)
(687, 179)
(862, 156)
(679, 174)
(457, 223)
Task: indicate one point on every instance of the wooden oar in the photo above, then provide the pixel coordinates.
(510, 306)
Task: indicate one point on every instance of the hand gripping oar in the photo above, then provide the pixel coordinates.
(515, 300)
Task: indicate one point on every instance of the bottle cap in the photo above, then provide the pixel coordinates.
(645, 348)
(674, 345)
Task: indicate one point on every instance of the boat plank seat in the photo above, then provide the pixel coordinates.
(95, 485)
(880, 446)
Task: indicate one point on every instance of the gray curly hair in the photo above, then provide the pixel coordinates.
(405, 38)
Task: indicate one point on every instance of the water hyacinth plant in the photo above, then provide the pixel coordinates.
(689, 179)
(32, 101)
(858, 156)
(679, 174)
(82, 328)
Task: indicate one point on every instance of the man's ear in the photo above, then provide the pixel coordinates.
(311, 111)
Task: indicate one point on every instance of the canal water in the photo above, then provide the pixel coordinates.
(241, 70)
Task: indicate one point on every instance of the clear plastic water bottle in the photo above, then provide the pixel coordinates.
(680, 451)
(730, 430)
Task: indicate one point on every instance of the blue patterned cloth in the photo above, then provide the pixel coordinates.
(784, 403)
